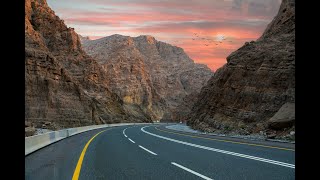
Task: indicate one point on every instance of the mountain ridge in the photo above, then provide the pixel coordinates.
(169, 73)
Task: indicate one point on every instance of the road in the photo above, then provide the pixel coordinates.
(154, 152)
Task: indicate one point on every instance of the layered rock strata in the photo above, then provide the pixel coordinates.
(255, 91)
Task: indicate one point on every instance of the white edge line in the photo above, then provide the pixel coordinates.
(223, 151)
(131, 140)
(147, 150)
(123, 132)
(191, 171)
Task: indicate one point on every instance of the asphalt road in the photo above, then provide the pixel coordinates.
(154, 152)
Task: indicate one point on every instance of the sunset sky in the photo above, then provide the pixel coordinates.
(231, 22)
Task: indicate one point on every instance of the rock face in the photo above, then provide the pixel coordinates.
(255, 90)
(63, 84)
(84, 39)
(180, 113)
(148, 74)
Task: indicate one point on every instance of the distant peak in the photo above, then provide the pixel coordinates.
(84, 38)
(150, 39)
(145, 36)
(117, 35)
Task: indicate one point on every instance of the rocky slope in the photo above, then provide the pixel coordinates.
(64, 87)
(255, 91)
(150, 74)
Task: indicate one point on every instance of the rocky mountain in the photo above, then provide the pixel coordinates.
(64, 87)
(150, 74)
(84, 38)
(255, 91)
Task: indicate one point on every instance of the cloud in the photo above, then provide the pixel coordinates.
(208, 27)
(260, 8)
(174, 22)
(96, 21)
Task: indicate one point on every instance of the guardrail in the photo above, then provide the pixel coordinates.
(33, 143)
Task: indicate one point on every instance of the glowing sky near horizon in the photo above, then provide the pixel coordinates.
(232, 22)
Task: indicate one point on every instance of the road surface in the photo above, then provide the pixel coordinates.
(154, 152)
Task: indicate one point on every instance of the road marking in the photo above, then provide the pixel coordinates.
(229, 141)
(223, 151)
(147, 150)
(131, 140)
(191, 171)
(123, 132)
(78, 167)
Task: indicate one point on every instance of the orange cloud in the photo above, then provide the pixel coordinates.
(211, 52)
(174, 22)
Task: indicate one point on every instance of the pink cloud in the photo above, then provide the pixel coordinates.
(175, 22)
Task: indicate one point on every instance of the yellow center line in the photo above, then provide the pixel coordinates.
(78, 167)
(229, 141)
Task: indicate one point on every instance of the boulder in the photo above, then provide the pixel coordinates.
(29, 131)
(284, 118)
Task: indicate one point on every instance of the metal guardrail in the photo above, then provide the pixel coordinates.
(33, 143)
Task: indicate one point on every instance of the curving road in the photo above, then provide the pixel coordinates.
(154, 152)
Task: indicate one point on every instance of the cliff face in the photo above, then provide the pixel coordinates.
(64, 86)
(153, 75)
(255, 90)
